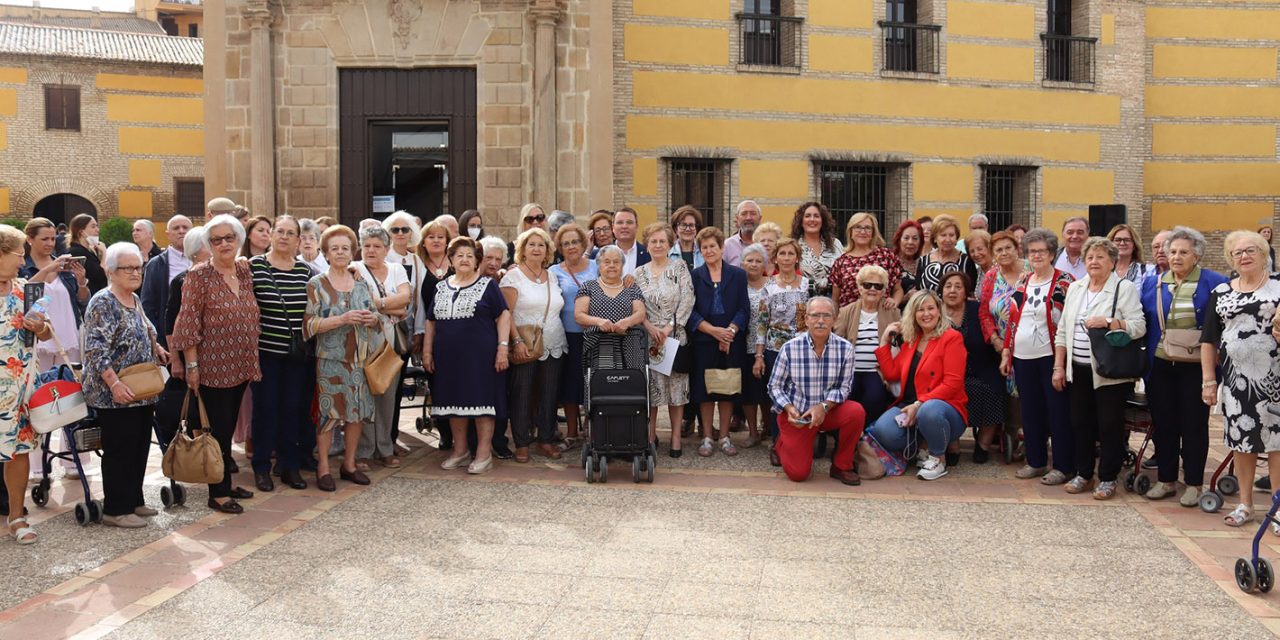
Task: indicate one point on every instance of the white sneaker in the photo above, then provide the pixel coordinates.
(932, 469)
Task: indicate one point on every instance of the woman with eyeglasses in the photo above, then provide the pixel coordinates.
(866, 246)
(282, 398)
(1130, 265)
(117, 335)
(573, 272)
(781, 317)
(600, 226)
(309, 245)
(686, 222)
(1239, 327)
(531, 217)
(863, 323)
(217, 331)
(1034, 311)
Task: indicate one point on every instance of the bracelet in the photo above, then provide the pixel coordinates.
(113, 384)
(1208, 383)
(504, 343)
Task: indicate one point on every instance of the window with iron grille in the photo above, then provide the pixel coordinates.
(188, 197)
(1068, 52)
(62, 107)
(1008, 196)
(701, 183)
(767, 36)
(853, 187)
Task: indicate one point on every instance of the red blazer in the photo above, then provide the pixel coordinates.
(940, 374)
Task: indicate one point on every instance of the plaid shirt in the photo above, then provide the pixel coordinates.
(802, 379)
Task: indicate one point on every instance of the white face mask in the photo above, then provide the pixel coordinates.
(474, 232)
(91, 239)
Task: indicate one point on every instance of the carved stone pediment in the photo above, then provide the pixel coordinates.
(403, 32)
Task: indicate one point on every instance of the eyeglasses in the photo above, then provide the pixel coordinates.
(219, 240)
(401, 230)
(873, 286)
(601, 230)
(688, 225)
(1037, 252)
(1119, 240)
(533, 219)
(572, 242)
(1247, 251)
(134, 270)
(864, 228)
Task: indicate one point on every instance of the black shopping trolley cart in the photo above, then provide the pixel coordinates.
(618, 404)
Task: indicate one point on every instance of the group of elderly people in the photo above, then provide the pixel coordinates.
(915, 339)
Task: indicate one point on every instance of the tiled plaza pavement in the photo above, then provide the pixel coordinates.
(720, 547)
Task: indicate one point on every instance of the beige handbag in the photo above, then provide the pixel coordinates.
(194, 460)
(143, 379)
(381, 369)
(531, 334)
(1179, 345)
(868, 463)
(724, 382)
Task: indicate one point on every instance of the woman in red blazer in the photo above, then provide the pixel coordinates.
(930, 365)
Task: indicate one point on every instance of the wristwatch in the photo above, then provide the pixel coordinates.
(193, 364)
(826, 405)
(504, 343)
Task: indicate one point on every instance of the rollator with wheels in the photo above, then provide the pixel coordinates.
(617, 396)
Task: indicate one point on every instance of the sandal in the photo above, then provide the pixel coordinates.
(391, 462)
(1238, 516)
(727, 447)
(23, 534)
(568, 444)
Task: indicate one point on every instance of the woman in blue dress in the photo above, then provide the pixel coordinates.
(467, 328)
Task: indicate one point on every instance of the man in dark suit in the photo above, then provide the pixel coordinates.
(160, 271)
(625, 225)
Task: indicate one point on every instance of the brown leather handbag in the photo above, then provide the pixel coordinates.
(143, 379)
(531, 334)
(381, 369)
(194, 460)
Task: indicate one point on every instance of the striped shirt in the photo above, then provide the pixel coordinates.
(1080, 346)
(802, 379)
(868, 341)
(272, 302)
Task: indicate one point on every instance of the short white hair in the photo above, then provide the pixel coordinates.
(979, 216)
(415, 233)
(176, 218)
(612, 248)
(230, 221)
(151, 228)
(369, 222)
(493, 243)
(119, 250)
(196, 240)
(744, 203)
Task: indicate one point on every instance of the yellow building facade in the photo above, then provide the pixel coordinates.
(1029, 111)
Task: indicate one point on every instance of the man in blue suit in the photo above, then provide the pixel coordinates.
(160, 271)
(625, 226)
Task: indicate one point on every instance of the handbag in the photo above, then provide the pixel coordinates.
(401, 334)
(724, 382)
(1179, 345)
(867, 462)
(381, 369)
(58, 400)
(531, 334)
(143, 379)
(1114, 356)
(300, 350)
(683, 362)
(893, 465)
(193, 459)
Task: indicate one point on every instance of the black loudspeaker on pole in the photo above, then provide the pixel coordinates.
(1102, 217)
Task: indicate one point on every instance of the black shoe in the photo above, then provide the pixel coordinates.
(503, 453)
(676, 453)
(233, 467)
(240, 493)
(263, 481)
(1263, 484)
(980, 455)
(275, 470)
(1150, 463)
(226, 506)
(294, 479)
(953, 459)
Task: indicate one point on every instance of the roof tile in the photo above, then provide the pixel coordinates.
(97, 44)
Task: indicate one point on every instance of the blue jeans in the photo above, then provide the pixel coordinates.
(869, 391)
(938, 423)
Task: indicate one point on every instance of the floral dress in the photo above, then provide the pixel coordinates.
(817, 267)
(1240, 324)
(667, 297)
(16, 435)
(344, 395)
(844, 273)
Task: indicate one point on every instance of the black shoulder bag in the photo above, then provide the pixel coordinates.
(1116, 354)
(300, 350)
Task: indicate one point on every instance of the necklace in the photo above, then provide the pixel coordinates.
(436, 267)
(610, 286)
(787, 282)
(538, 278)
(1253, 287)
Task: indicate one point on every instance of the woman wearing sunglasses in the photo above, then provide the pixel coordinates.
(531, 217)
(863, 323)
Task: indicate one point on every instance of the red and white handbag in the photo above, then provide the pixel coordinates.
(59, 402)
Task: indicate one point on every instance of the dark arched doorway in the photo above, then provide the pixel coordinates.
(62, 207)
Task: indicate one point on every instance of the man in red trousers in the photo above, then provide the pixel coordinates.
(809, 387)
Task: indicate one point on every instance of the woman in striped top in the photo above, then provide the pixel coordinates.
(282, 398)
(1102, 300)
(863, 323)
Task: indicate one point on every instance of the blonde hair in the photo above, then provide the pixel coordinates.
(661, 226)
(940, 224)
(527, 210)
(769, 227)
(911, 331)
(872, 271)
(877, 240)
(785, 242)
(1234, 239)
(11, 239)
(523, 240)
